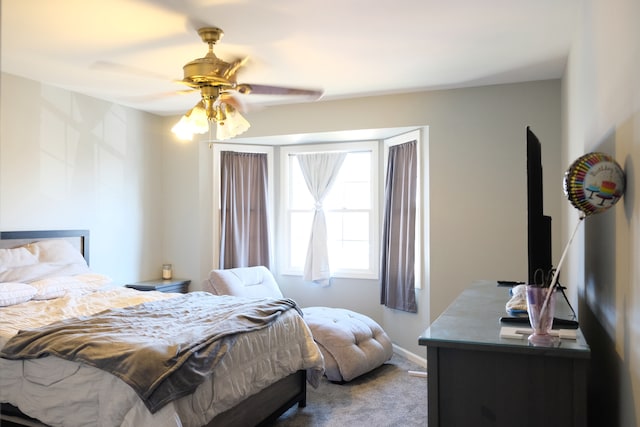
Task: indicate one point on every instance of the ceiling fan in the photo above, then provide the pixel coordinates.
(217, 82)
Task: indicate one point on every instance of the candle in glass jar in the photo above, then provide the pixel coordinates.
(166, 271)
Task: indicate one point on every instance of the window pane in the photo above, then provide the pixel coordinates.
(349, 209)
(356, 226)
(300, 198)
(299, 238)
(347, 255)
(357, 195)
(348, 236)
(352, 188)
(334, 225)
(356, 166)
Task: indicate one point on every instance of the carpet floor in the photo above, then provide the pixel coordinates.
(386, 396)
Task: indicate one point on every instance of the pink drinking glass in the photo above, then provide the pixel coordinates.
(541, 321)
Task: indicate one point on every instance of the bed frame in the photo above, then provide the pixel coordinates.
(78, 238)
(260, 409)
(267, 405)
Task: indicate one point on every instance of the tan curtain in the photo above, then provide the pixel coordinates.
(397, 275)
(244, 210)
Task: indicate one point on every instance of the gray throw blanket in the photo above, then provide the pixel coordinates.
(162, 349)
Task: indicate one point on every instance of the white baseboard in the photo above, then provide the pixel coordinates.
(418, 360)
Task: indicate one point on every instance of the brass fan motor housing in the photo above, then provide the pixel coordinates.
(210, 70)
(216, 79)
(210, 35)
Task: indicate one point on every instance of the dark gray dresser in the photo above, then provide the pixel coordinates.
(476, 378)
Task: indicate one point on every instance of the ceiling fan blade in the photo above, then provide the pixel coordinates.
(235, 66)
(228, 98)
(256, 89)
(239, 102)
(158, 96)
(194, 24)
(114, 67)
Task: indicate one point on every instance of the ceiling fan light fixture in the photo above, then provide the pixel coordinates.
(182, 129)
(194, 121)
(219, 114)
(233, 125)
(228, 121)
(216, 80)
(198, 118)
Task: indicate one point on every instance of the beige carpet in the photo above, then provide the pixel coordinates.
(387, 396)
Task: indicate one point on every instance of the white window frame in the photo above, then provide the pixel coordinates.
(374, 226)
(240, 148)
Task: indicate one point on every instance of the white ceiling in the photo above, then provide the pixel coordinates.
(131, 51)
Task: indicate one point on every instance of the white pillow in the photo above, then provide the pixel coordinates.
(16, 257)
(15, 293)
(41, 270)
(55, 287)
(56, 251)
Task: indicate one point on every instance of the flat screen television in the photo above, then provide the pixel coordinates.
(538, 224)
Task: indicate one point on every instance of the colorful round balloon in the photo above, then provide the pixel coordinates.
(594, 183)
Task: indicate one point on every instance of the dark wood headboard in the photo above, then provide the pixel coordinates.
(79, 238)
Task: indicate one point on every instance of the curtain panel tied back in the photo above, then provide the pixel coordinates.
(320, 171)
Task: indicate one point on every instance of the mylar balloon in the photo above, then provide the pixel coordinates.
(594, 183)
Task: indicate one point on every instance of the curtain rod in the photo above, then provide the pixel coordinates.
(331, 151)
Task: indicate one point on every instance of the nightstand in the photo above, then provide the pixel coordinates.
(161, 285)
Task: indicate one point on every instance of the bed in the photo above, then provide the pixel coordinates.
(259, 372)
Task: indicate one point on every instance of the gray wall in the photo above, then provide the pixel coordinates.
(147, 198)
(477, 187)
(71, 161)
(601, 97)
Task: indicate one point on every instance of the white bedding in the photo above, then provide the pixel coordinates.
(59, 392)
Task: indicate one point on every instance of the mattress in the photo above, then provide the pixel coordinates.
(60, 392)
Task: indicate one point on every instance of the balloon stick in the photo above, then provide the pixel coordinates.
(552, 285)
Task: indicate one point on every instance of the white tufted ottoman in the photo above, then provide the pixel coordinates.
(351, 343)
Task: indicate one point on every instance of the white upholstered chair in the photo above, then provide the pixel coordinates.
(351, 343)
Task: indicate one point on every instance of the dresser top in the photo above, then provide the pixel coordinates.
(473, 320)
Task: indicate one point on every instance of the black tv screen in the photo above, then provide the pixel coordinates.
(538, 224)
